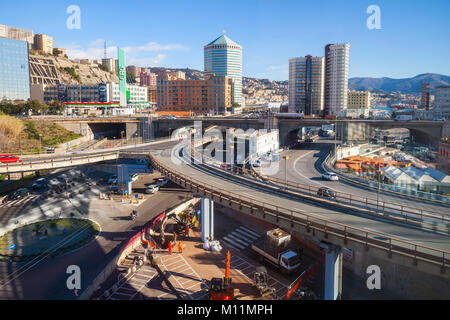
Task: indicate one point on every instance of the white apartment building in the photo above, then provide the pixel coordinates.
(336, 78)
(306, 85)
(442, 101)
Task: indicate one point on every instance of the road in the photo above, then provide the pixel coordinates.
(281, 199)
(46, 279)
(304, 166)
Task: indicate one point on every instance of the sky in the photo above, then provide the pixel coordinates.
(413, 39)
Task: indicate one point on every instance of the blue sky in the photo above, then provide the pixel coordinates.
(414, 38)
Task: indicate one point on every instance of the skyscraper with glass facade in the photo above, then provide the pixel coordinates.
(306, 85)
(223, 57)
(14, 70)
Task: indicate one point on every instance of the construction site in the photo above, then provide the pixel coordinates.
(168, 260)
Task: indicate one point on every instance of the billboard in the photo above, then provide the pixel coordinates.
(122, 77)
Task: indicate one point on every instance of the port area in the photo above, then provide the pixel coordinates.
(187, 275)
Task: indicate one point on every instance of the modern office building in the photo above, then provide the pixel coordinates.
(306, 85)
(91, 96)
(17, 34)
(442, 101)
(336, 78)
(197, 96)
(14, 70)
(43, 43)
(223, 57)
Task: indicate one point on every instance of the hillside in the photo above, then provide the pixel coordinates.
(407, 85)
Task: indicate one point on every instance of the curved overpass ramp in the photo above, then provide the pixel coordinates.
(425, 251)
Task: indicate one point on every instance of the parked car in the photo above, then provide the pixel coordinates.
(326, 192)
(9, 158)
(40, 184)
(330, 176)
(152, 189)
(19, 194)
(112, 180)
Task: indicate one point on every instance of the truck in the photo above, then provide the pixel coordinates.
(275, 249)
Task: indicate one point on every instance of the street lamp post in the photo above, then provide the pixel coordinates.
(135, 142)
(286, 158)
(378, 190)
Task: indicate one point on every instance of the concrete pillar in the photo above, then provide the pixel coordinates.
(333, 271)
(207, 219)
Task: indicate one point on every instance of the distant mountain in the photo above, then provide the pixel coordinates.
(409, 85)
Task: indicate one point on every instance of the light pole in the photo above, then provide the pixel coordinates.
(135, 142)
(286, 158)
(378, 190)
(40, 143)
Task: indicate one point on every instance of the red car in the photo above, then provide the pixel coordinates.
(9, 158)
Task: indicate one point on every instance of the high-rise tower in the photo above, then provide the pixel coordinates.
(223, 57)
(336, 78)
(306, 85)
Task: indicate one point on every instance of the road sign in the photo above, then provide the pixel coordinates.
(12, 246)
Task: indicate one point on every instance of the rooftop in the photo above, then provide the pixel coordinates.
(223, 39)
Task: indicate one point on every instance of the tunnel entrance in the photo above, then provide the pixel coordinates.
(108, 130)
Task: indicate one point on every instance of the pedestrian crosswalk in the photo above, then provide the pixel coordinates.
(129, 289)
(19, 202)
(241, 238)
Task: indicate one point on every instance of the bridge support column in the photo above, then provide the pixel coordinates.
(207, 219)
(333, 271)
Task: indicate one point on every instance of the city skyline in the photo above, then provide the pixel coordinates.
(268, 33)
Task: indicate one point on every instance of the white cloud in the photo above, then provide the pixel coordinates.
(135, 55)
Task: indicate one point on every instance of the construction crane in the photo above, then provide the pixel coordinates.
(222, 289)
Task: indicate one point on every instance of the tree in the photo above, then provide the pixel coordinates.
(130, 77)
(56, 107)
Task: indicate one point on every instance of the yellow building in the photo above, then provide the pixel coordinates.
(358, 99)
(43, 43)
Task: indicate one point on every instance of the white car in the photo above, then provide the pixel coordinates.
(330, 176)
(152, 189)
(257, 163)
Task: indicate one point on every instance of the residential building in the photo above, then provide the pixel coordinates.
(223, 57)
(43, 43)
(199, 96)
(358, 99)
(306, 85)
(442, 100)
(111, 65)
(59, 52)
(148, 79)
(14, 70)
(136, 71)
(336, 78)
(17, 34)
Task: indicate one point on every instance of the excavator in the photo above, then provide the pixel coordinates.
(222, 289)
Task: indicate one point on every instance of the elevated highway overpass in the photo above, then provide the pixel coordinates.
(391, 246)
